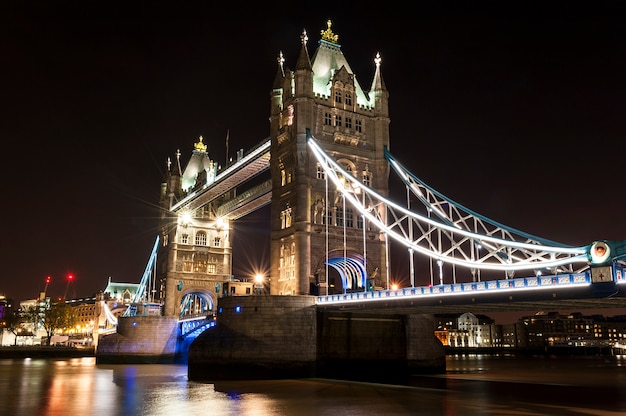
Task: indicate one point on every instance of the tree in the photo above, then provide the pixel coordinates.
(12, 322)
(58, 316)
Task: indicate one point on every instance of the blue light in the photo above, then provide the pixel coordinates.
(237, 309)
(134, 323)
(219, 310)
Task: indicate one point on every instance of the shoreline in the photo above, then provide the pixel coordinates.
(43, 351)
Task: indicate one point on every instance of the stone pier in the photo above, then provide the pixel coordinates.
(140, 340)
(261, 337)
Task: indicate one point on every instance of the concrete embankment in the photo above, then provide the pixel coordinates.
(36, 351)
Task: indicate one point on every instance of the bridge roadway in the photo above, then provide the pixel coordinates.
(570, 292)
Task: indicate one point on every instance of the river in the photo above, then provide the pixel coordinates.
(472, 385)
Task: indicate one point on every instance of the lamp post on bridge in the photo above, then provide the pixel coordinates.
(258, 283)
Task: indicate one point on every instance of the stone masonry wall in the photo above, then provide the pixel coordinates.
(140, 339)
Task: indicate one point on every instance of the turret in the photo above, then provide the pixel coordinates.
(304, 72)
(378, 92)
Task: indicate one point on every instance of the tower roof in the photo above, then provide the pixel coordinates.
(327, 60)
(199, 162)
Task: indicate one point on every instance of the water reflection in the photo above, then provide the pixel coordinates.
(476, 385)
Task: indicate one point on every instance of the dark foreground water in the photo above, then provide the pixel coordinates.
(473, 385)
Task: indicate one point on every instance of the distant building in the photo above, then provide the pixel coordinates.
(468, 331)
(6, 306)
(541, 332)
(554, 330)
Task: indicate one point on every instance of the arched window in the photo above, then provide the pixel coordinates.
(337, 97)
(201, 238)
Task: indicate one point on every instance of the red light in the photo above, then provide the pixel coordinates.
(48, 279)
(70, 277)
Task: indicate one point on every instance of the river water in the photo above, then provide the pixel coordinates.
(472, 385)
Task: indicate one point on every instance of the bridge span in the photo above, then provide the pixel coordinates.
(573, 292)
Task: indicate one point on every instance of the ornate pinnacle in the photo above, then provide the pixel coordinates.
(201, 147)
(328, 34)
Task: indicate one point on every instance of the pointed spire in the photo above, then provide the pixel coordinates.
(303, 60)
(179, 171)
(378, 84)
(280, 73)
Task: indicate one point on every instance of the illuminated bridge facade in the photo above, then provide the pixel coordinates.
(325, 171)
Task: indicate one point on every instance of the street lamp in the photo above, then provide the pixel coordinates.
(258, 283)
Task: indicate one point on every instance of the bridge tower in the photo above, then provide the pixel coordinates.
(318, 244)
(195, 256)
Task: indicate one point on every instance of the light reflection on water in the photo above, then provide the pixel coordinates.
(474, 385)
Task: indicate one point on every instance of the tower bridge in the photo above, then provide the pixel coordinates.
(325, 171)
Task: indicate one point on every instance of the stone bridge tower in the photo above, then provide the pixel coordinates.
(195, 256)
(321, 97)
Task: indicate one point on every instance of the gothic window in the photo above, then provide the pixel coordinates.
(187, 261)
(201, 238)
(184, 239)
(367, 178)
(217, 242)
(285, 218)
(348, 123)
(339, 216)
(338, 121)
(348, 98)
(359, 222)
(349, 218)
(320, 172)
(200, 263)
(290, 115)
(358, 126)
(211, 269)
(283, 177)
(319, 212)
(328, 119)
(337, 97)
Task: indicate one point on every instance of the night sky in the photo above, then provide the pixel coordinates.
(515, 112)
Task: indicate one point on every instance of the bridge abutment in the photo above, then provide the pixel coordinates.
(288, 337)
(140, 339)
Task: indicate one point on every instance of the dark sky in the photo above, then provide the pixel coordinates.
(516, 112)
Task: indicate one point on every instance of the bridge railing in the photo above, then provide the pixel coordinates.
(191, 326)
(523, 283)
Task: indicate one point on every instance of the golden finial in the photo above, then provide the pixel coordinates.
(328, 34)
(201, 147)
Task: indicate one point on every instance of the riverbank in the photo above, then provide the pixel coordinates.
(559, 350)
(42, 351)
